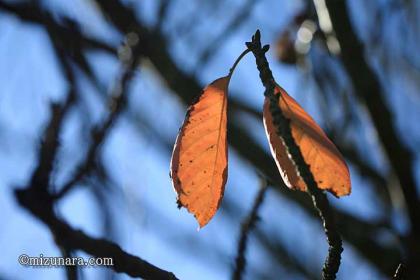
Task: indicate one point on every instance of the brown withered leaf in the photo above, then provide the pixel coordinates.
(325, 161)
(199, 159)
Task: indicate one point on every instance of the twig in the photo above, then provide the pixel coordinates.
(319, 199)
(50, 142)
(245, 52)
(48, 149)
(247, 226)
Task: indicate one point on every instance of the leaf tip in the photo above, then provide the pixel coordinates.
(178, 203)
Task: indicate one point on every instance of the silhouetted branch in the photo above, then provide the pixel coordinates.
(332, 263)
(247, 226)
(270, 242)
(40, 205)
(50, 141)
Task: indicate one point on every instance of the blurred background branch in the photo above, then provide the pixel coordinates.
(247, 226)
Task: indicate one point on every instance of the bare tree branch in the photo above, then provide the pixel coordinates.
(50, 142)
(40, 205)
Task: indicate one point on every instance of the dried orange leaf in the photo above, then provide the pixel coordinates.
(199, 159)
(325, 161)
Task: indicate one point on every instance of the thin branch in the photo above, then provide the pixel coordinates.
(48, 149)
(247, 226)
(245, 52)
(274, 246)
(320, 201)
(50, 142)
